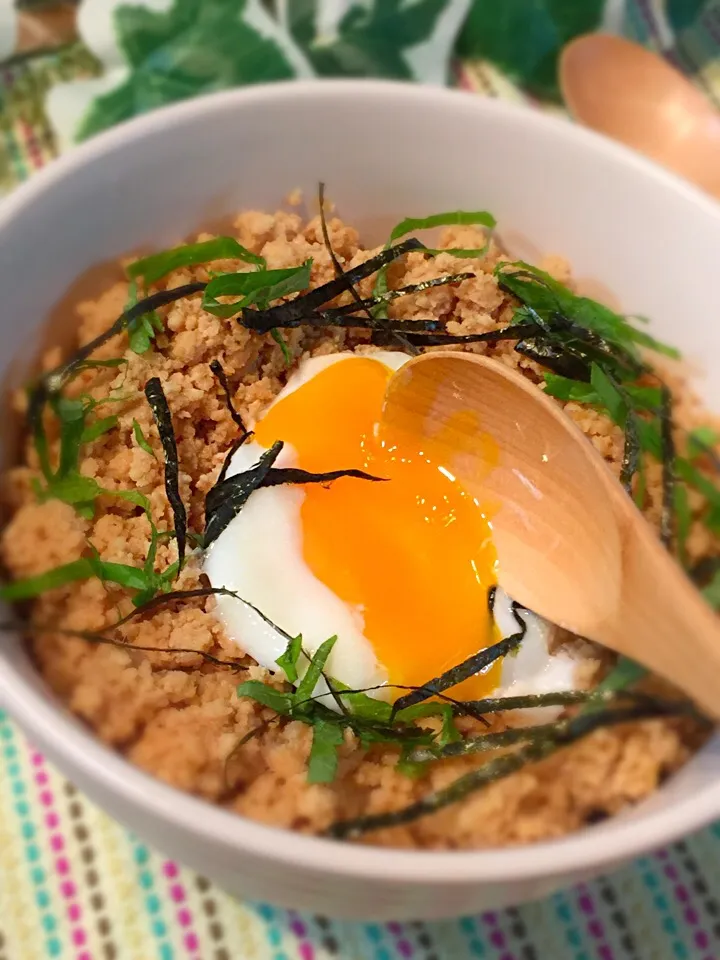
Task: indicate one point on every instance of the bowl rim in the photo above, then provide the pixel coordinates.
(65, 738)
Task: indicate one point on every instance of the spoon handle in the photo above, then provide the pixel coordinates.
(662, 620)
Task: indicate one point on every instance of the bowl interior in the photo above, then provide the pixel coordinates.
(384, 152)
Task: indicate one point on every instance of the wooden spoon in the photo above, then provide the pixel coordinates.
(634, 96)
(571, 544)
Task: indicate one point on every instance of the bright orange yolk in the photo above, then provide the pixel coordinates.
(414, 554)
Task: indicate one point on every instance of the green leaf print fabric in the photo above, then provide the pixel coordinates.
(111, 60)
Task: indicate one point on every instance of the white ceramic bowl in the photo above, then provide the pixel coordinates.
(385, 151)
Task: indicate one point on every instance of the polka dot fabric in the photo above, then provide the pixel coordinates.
(76, 885)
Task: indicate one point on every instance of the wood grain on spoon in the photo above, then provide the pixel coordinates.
(571, 544)
(632, 95)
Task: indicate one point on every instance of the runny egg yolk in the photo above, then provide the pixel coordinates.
(414, 554)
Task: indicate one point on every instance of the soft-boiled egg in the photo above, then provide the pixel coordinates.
(399, 569)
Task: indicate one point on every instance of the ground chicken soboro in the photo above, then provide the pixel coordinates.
(179, 717)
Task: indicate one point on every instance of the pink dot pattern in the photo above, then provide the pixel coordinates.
(56, 842)
(178, 895)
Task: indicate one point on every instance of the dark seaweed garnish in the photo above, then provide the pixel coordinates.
(547, 297)
(405, 291)
(505, 738)
(337, 266)
(563, 733)
(468, 668)
(163, 419)
(455, 675)
(282, 315)
(230, 494)
(668, 467)
(482, 744)
(66, 483)
(432, 339)
(55, 379)
(281, 475)
(373, 322)
(554, 357)
(445, 219)
(631, 451)
(530, 701)
(245, 434)
(221, 376)
(95, 637)
(348, 320)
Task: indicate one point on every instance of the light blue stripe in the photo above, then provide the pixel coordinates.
(152, 902)
(27, 830)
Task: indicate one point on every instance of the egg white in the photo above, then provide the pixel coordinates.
(260, 556)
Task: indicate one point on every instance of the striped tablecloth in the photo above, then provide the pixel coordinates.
(75, 884)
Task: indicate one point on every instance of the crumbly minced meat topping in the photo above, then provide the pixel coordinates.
(180, 718)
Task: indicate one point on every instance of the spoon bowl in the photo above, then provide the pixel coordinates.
(571, 544)
(632, 95)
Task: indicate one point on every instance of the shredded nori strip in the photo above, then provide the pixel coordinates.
(141, 611)
(506, 738)
(37, 399)
(468, 668)
(281, 475)
(668, 468)
(373, 321)
(245, 434)
(530, 701)
(263, 321)
(337, 266)
(232, 450)
(227, 498)
(53, 381)
(570, 349)
(163, 418)
(567, 732)
(102, 639)
(348, 320)
(229, 495)
(163, 599)
(469, 708)
(430, 339)
(460, 707)
(395, 294)
(481, 744)
(555, 358)
(631, 451)
(221, 376)
(57, 377)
